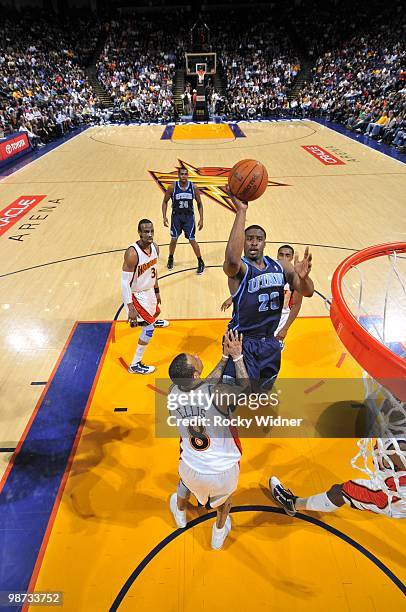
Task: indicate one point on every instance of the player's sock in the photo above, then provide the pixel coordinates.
(319, 502)
(219, 535)
(178, 515)
(138, 354)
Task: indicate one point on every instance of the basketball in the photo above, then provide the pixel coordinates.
(248, 180)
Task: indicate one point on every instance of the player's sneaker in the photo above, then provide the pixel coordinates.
(219, 535)
(178, 515)
(169, 264)
(200, 266)
(161, 323)
(141, 368)
(141, 323)
(282, 496)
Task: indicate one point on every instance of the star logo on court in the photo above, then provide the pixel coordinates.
(211, 181)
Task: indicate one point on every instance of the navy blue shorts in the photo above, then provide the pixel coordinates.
(262, 358)
(183, 223)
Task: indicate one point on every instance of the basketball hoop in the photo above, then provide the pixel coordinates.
(370, 350)
(200, 75)
(381, 456)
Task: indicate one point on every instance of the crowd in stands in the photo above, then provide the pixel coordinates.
(358, 81)
(137, 67)
(362, 85)
(43, 87)
(257, 62)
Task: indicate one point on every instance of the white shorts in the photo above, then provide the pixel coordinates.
(145, 303)
(215, 488)
(283, 319)
(363, 494)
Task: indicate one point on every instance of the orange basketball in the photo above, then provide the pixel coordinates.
(248, 180)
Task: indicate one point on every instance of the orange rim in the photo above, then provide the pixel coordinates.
(374, 357)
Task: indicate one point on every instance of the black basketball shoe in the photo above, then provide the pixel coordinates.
(282, 496)
(200, 266)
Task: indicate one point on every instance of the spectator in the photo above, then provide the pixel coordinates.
(42, 80)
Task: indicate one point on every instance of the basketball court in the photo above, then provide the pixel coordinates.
(85, 482)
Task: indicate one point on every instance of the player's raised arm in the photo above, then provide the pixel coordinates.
(199, 208)
(227, 394)
(129, 265)
(235, 245)
(167, 197)
(298, 275)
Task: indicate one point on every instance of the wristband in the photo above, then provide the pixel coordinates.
(224, 356)
(156, 289)
(238, 358)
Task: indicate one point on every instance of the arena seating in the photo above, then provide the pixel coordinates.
(356, 81)
(43, 87)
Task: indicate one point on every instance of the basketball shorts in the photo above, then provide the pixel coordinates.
(262, 358)
(213, 488)
(183, 223)
(145, 303)
(363, 494)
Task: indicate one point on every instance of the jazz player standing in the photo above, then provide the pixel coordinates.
(140, 290)
(182, 193)
(256, 283)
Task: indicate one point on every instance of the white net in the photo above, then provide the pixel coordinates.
(383, 460)
(383, 457)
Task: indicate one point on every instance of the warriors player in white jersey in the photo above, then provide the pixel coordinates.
(360, 493)
(140, 289)
(293, 299)
(210, 448)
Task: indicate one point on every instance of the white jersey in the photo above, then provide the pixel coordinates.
(287, 299)
(208, 444)
(145, 273)
(286, 307)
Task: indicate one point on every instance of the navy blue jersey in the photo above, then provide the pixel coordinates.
(258, 302)
(182, 199)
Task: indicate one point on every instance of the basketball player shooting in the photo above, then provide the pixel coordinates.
(210, 453)
(140, 290)
(292, 300)
(361, 493)
(256, 284)
(182, 193)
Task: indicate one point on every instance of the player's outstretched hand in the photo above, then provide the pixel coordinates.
(166, 222)
(237, 203)
(233, 344)
(303, 267)
(226, 304)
